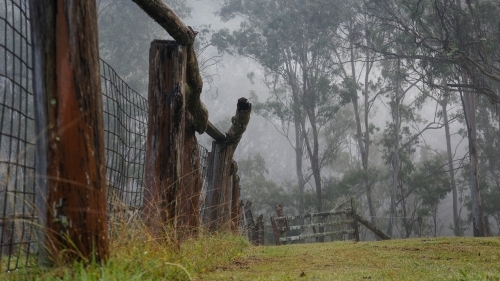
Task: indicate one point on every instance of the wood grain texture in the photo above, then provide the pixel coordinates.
(166, 128)
(70, 165)
(173, 175)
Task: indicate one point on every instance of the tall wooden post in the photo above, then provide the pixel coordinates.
(217, 213)
(355, 225)
(166, 126)
(188, 197)
(219, 196)
(173, 176)
(70, 166)
(235, 200)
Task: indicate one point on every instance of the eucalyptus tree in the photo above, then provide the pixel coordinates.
(292, 40)
(355, 67)
(488, 126)
(460, 33)
(445, 99)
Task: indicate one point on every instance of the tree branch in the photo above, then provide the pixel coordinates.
(184, 35)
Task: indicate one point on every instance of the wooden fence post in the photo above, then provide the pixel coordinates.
(173, 179)
(260, 230)
(166, 126)
(354, 218)
(188, 196)
(219, 197)
(235, 206)
(282, 222)
(276, 232)
(70, 165)
(217, 213)
(250, 223)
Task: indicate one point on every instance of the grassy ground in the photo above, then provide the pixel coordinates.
(412, 259)
(135, 256)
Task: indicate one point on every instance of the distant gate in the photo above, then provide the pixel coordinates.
(323, 224)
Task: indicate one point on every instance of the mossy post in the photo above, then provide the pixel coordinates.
(69, 161)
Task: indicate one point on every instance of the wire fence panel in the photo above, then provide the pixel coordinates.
(17, 186)
(125, 128)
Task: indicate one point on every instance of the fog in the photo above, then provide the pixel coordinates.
(423, 166)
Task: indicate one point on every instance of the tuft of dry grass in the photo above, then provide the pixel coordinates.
(445, 258)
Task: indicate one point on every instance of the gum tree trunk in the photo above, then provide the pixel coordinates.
(456, 218)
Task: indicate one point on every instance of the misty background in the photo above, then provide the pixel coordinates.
(322, 134)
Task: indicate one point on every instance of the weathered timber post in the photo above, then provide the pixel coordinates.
(218, 203)
(276, 232)
(281, 223)
(173, 172)
(69, 161)
(373, 228)
(188, 197)
(260, 230)
(235, 206)
(354, 218)
(217, 212)
(250, 223)
(166, 128)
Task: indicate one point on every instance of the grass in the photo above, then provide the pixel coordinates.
(444, 258)
(136, 256)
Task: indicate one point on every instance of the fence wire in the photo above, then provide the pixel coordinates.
(125, 126)
(17, 186)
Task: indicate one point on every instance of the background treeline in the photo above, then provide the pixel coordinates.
(390, 101)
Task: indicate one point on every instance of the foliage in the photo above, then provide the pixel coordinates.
(265, 194)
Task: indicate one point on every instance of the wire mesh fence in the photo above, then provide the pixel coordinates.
(125, 127)
(125, 131)
(17, 186)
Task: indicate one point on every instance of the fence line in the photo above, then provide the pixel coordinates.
(125, 127)
(17, 186)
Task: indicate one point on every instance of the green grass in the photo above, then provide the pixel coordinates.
(411, 259)
(136, 256)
